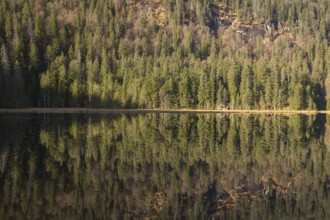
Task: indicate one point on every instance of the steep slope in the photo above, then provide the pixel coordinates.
(165, 54)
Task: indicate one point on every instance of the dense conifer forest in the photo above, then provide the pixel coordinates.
(205, 54)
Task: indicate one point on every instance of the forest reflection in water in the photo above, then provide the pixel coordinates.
(167, 166)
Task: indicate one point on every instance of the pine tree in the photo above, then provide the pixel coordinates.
(8, 26)
(298, 97)
(222, 96)
(234, 80)
(52, 25)
(246, 86)
(186, 99)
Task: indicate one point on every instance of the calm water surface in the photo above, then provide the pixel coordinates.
(164, 166)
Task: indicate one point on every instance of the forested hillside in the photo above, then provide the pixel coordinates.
(208, 54)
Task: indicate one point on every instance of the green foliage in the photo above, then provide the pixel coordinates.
(298, 97)
(115, 55)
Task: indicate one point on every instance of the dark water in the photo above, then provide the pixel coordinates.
(164, 166)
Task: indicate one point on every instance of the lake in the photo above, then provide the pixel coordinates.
(164, 166)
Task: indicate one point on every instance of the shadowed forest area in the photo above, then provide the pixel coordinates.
(187, 166)
(205, 54)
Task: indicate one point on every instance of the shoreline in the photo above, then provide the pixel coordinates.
(119, 111)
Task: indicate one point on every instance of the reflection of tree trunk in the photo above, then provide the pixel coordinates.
(3, 159)
(327, 134)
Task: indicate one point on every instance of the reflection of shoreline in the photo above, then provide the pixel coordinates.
(267, 189)
(223, 201)
(91, 110)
